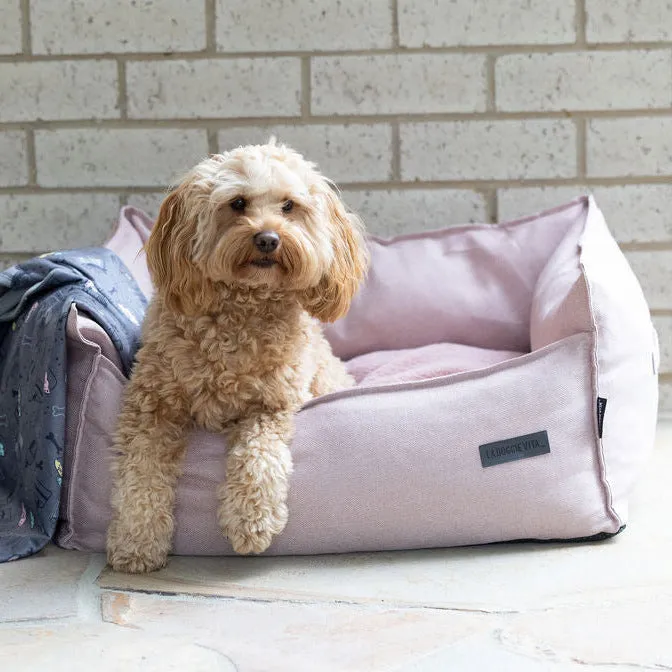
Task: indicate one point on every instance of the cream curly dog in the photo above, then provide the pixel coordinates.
(248, 253)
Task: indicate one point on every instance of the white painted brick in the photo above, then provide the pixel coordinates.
(485, 22)
(298, 25)
(110, 157)
(390, 213)
(243, 87)
(43, 222)
(100, 26)
(149, 202)
(519, 202)
(635, 213)
(663, 325)
(10, 27)
(58, 90)
(398, 84)
(654, 270)
(626, 147)
(488, 150)
(584, 81)
(665, 399)
(628, 20)
(348, 153)
(13, 159)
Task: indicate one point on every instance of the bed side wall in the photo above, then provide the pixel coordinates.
(626, 356)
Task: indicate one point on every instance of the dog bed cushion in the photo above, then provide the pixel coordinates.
(507, 389)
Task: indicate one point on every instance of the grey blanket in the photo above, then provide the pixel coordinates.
(35, 298)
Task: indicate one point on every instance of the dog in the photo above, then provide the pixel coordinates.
(250, 252)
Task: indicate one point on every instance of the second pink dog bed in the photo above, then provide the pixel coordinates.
(507, 390)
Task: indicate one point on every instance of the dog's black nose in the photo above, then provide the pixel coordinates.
(267, 241)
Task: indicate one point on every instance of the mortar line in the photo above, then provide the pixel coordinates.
(30, 157)
(26, 37)
(581, 149)
(491, 83)
(305, 87)
(395, 168)
(213, 141)
(394, 7)
(122, 98)
(492, 205)
(384, 184)
(633, 246)
(581, 23)
(499, 50)
(335, 120)
(210, 27)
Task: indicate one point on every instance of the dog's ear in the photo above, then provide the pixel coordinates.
(331, 298)
(169, 252)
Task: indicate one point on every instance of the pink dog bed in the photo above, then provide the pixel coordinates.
(507, 389)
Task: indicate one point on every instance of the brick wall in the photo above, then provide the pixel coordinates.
(427, 112)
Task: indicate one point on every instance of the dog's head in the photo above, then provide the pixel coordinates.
(258, 216)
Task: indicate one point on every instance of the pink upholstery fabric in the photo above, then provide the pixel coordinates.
(130, 235)
(471, 285)
(461, 338)
(388, 367)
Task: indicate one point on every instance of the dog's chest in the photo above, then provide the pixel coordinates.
(233, 369)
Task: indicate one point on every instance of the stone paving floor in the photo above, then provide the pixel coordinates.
(510, 608)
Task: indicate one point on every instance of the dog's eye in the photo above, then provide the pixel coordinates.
(238, 204)
(287, 206)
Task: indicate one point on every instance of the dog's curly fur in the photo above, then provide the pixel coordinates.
(232, 343)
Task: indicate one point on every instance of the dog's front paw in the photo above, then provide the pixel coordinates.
(248, 537)
(135, 564)
(134, 555)
(250, 524)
